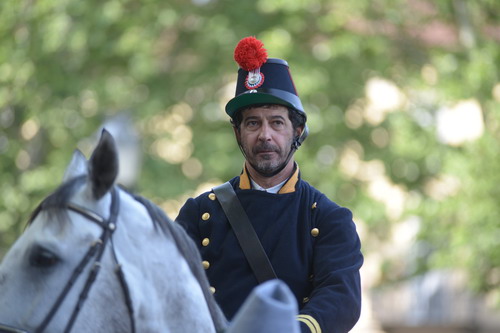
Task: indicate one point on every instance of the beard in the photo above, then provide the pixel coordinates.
(266, 158)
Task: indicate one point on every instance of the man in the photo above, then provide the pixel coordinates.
(310, 241)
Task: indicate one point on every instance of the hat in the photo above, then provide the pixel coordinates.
(262, 80)
(270, 307)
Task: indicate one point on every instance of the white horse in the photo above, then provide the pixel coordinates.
(96, 258)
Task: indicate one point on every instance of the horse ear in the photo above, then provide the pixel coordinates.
(76, 167)
(103, 165)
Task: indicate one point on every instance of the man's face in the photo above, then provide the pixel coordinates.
(266, 135)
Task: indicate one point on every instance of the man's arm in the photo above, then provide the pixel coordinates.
(334, 304)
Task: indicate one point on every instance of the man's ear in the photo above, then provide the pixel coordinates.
(302, 133)
(299, 130)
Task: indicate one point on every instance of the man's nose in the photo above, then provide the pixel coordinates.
(265, 132)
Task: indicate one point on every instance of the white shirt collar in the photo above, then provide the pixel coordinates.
(275, 189)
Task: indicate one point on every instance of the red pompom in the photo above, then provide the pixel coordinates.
(250, 53)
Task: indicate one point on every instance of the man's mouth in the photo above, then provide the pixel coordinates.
(265, 150)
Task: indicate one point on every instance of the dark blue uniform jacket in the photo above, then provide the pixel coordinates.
(311, 242)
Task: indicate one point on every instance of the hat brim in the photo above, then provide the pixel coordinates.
(258, 97)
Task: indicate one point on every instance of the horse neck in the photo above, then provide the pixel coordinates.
(159, 277)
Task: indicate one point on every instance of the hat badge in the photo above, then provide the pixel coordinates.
(250, 56)
(254, 79)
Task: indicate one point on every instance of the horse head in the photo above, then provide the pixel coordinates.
(95, 258)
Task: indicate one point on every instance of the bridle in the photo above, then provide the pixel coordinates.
(93, 255)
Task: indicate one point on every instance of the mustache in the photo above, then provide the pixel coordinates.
(265, 147)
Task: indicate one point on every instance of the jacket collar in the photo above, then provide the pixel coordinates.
(288, 187)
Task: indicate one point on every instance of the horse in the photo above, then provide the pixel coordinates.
(97, 258)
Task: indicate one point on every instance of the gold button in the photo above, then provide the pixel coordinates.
(205, 264)
(305, 300)
(314, 206)
(211, 196)
(212, 290)
(315, 232)
(205, 216)
(205, 242)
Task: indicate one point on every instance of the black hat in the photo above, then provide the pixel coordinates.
(262, 80)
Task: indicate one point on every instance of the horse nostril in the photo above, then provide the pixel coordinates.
(2, 278)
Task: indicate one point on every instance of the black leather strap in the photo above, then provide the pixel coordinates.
(245, 233)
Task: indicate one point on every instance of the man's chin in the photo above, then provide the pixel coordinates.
(266, 169)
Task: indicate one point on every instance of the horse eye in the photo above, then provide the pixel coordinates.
(42, 258)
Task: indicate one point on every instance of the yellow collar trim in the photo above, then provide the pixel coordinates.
(289, 186)
(245, 183)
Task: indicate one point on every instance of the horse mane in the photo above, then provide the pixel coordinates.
(188, 250)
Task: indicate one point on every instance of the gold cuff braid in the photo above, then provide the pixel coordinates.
(310, 322)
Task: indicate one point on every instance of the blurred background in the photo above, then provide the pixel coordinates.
(403, 104)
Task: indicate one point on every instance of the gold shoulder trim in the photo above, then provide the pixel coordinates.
(310, 322)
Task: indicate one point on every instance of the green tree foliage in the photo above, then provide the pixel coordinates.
(375, 77)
